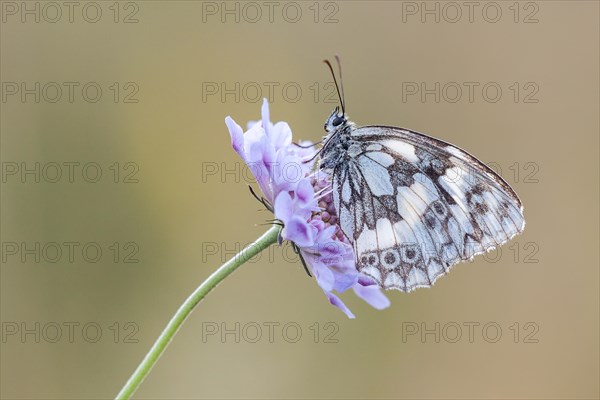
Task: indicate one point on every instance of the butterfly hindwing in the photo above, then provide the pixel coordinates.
(413, 206)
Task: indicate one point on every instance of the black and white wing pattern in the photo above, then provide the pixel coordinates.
(413, 206)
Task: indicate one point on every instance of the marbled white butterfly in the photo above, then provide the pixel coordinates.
(412, 205)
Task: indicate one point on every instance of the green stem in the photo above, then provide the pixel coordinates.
(267, 239)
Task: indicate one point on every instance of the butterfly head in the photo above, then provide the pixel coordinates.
(336, 121)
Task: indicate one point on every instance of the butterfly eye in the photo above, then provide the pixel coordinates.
(337, 120)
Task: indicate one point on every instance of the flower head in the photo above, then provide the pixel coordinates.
(301, 200)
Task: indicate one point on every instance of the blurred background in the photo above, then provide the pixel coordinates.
(121, 193)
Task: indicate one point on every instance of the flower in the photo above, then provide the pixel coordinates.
(301, 200)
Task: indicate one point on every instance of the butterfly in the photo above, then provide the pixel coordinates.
(412, 206)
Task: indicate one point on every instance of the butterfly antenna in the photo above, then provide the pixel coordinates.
(339, 63)
(336, 84)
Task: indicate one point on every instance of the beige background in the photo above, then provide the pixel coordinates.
(175, 213)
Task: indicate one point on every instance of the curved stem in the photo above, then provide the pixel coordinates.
(267, 239)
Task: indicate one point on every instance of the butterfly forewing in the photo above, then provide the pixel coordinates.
(413, 206)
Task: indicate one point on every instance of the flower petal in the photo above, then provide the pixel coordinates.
(281, 134)
(266, 118)
(370, 292)
(345, 280)
(324, 276)
(299, 231)
(255, 144)
(283, 207)
(334, 300)
(237, 136)
(305, 193)
(285, 171)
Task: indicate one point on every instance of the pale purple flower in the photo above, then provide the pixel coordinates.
(302, 202)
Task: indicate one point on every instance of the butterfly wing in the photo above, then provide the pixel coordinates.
(413, 206)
